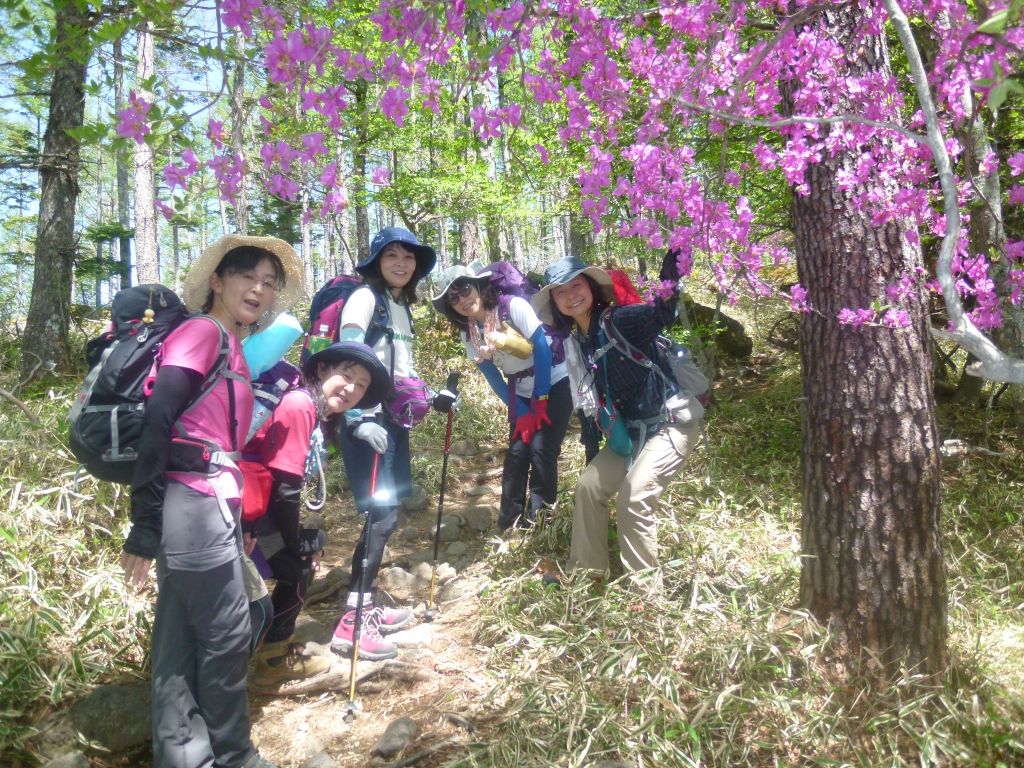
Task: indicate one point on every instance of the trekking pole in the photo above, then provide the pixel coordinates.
(351, 708)
(451, 385)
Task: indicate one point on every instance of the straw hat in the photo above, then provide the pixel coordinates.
(564, 271)
(197, 284)
(357, 352)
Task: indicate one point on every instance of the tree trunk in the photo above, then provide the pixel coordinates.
(872, 551)
(125, 240)
(48, 314)
(307, 242)
(359, 150)
(146, 265)
(238, 123)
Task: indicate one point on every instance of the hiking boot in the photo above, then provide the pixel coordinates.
(372, 646)
(393, 619)
(293, 664)
(271, 649)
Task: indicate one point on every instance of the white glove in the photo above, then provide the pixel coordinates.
(374, 434)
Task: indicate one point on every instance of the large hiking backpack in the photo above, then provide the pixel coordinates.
(268, 389)
(325, 315)
(108, 414)
(510, 282)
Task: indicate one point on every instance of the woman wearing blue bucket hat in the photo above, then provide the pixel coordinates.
(379, 314)
(650, 425)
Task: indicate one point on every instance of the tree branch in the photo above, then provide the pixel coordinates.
(992, 363)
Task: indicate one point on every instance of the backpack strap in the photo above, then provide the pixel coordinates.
(219, 370)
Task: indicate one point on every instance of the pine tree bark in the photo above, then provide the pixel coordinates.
(48, 314)
(147, 266)
(359, 150)
(121, 159)
(872, 550)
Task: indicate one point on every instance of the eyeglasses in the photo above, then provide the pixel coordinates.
(252, 278)
(457, 293)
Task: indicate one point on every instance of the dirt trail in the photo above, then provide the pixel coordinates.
(439, 677)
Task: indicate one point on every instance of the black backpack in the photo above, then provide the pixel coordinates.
(108, 414)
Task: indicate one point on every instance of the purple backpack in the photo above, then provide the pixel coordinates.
(510, 282)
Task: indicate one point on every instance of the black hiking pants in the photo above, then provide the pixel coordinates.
(535, 464)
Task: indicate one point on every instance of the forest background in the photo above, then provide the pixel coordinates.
(842, 177)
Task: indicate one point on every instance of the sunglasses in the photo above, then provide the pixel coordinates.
(457, 293)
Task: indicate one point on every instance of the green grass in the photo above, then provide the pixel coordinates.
(724, 670)
(721, 670)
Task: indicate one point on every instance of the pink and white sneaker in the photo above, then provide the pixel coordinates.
(393, 619)
(372, 646)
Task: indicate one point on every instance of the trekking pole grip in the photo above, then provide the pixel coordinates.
(452, 384)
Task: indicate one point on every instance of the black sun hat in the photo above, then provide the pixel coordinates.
(357, 352)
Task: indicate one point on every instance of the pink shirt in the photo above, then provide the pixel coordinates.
(195, 344)
(282, 441)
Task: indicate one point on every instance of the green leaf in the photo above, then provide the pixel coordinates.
(994, 24)
(997, 95)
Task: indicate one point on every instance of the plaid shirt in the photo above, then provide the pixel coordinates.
(635, 391)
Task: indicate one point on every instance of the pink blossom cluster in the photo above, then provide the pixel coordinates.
(132, 121)
(728, 61)
(229, 170)
(178, 175)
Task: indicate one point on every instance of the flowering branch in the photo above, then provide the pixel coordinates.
(992, 363)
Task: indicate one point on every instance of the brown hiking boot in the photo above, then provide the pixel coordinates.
(293, 664)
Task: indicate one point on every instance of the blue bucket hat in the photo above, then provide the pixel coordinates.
(357, 352)
(425, 256)
(564, 271)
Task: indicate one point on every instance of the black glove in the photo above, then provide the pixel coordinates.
(311, 541)
(443, 401)
(447, 398)
(669, 267)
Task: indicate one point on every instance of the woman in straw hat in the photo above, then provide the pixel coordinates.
(650, 425)
(396, 263)
(520, 360)
(185, 503)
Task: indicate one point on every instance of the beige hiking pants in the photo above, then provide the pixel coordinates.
(639, 490)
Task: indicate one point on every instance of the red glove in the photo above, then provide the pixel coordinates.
(540, 410)
(526, 425)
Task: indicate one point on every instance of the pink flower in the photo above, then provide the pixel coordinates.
(1016, 163)
(393, 104)
(798, 299)
(856, 318)
(215, 133)
(896, 318)
(165, 210)
(543, 153)
(131, 121)
(283, 187)
(381, 176)
(329, 175)
(1016, 195)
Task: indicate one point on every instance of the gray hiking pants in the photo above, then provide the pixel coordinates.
(200, 648)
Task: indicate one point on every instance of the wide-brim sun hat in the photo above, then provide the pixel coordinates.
(425, 256)
(356, 352)
(564, 271)
(448, 278)
(197, 284)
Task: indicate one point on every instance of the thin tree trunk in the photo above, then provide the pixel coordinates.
(124, 240)
(872, 551)
(48, 314)
(359, 150)
(146, 264)
(238, 121)
(307, 240)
